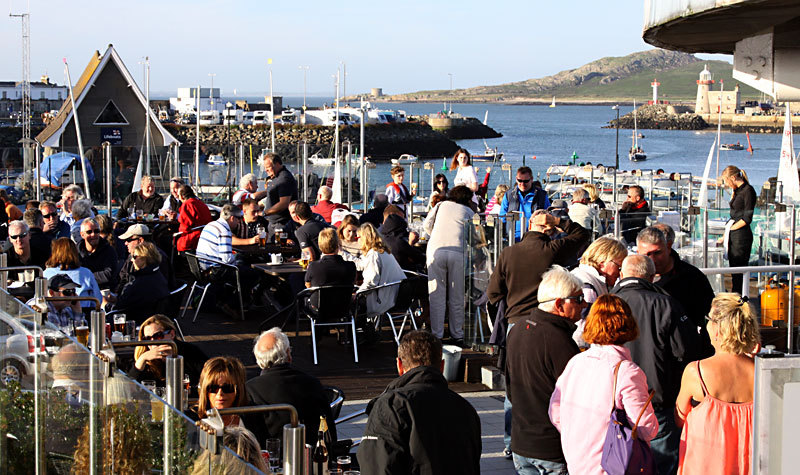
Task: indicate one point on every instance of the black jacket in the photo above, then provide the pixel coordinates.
(193, 361)
(40, 242)
(667, 341)
(395, 235)
(539, 348)
(103, 263)
(520, 267)
(137, 201)
(141, 296)
(63, 230)
(419, 426)
(283, 384)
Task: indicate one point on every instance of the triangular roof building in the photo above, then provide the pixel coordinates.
(107, 97)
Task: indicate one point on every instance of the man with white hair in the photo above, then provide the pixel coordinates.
(667, 341)
(281, 383)
(20, 254)
(539, 347)
(325, 206)
(81, 210)
(248, 185)
(70, 194)
(146, 200)
(580, 211)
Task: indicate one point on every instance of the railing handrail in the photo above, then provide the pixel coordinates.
(750, 269)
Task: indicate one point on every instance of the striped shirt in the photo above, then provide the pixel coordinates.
(240, 196)
(215, 242)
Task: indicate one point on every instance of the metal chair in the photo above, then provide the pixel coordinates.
(361, 296)
(175, 237)
(203, 280)
(336, 398)
(333, 308)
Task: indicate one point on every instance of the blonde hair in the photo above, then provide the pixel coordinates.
(328, 241)
(738, 328)
(734, 171)
(500, 191)
(369, 239)
(592, 190)
(213, 370)
(604, 249)
(149, 252)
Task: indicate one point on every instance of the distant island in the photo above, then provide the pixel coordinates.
(604, 81)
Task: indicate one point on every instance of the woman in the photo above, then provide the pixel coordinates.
(241, 442)
(446, 225)
(599, 267)
(466, 172)
(193, 213)
(149, 361)
(378, 267)
(739, 234)
(594, 196)
(715, 404)
(64, 259)
(222, 385)
(493, 206)
(586, 391)
(440, 188)
(147, 287)
(348, 237)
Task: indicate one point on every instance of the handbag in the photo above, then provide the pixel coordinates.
(623, 452)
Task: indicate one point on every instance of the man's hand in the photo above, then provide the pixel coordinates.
(413, 238)
(51, 226)
(545, 220)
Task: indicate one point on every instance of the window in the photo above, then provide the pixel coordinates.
(41, 95)
(5, 94)
(59, 96)
(110, 116)
(5, 329)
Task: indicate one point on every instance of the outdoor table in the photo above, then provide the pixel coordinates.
(285, 271)
(254, 252)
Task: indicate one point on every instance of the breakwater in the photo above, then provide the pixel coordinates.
(661, 116)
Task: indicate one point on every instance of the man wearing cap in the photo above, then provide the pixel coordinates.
(136, 234)
(62, 313)
(524, 198)
(145, 199)
(97, 255)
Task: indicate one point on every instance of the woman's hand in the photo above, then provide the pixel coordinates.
(158, 353)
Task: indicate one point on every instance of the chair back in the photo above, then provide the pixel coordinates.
(194, 267)
(336, 398)
(332, 303)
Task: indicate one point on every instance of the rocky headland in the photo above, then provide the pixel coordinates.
(661, 116)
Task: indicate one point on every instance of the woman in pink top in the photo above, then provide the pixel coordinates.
(715, 405)
(581, 404)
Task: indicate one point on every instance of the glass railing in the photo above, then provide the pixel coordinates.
(67, 410)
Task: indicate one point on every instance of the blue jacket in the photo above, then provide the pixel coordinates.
(535, 199)
(81, 276)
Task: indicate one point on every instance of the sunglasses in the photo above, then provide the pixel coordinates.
(577, 298)
(523, 181)
(68, 292)
(18, 236)
(156, 336)
(227, 388)
(92, 231)
(441, 181)
(50, 216)
(132, 239)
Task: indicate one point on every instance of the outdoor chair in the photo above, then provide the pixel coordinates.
(362, 310)
(327, 306)
(175, 237)
(204, 279)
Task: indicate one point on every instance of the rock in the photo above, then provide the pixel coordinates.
(658, 116)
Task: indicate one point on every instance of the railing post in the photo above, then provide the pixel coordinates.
(96, 339)
(790, 316)
(705, 237)
(617, 225)
(40, 284)
(305, 171)
(511, 220)
(109, 189)
(4, 274)
(174, 365)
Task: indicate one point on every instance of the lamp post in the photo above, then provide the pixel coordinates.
(228, 107)
(616, 162)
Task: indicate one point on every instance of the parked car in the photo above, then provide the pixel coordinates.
(18, 346)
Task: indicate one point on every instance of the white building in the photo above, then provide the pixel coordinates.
(44, 96)
(186, 101)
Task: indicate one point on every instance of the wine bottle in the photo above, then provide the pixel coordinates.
(320, 455)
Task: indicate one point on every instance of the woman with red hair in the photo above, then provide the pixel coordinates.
(597, 380)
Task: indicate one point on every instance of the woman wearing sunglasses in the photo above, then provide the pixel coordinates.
(440, 188)
(221, 387)
(145, 292)
(150, 360)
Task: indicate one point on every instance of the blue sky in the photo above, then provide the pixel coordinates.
(400, 46)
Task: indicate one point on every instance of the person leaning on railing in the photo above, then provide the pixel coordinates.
(740, 236)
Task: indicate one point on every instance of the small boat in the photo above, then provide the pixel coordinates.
(216, 160)
(319, 160)
(636, 154)
(731, 146)
(404, 159)
(640, 135)
(489, 154)
(553, 104)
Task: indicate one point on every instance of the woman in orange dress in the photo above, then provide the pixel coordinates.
(715, 404)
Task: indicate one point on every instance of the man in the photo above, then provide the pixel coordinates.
(135, 235)
(81, 210)
(252, 217)
(68, 196)
(539, 347)
(98, 256)
(20, 253)
(418, 425)
(667, 342)
(248, 185)
(394, 231)
(281, 190)
(681, 280)
(172, 204)
(281, 383)
(62, 313)
(374, 215)
(524, 198)
(54, 227)
(308, 232)
(325, 206)
(216, 238)
(331, 268)
(146, 200)
(520, 267)
(633, 213)
(580, 211)
(396, 192)
(40, 242)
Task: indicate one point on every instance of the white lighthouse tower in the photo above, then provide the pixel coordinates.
(703, 86)
(655, 85)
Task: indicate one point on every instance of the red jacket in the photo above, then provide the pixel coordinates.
(325, 209)
(193, 213)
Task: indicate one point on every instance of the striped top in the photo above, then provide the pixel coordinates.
(240, 196)
(215, 242)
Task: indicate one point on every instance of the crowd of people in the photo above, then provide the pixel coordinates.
(585, 326)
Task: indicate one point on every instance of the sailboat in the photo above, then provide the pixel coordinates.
(636, 154)
(553, 104)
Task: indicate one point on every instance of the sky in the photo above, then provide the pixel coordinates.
(401, 46)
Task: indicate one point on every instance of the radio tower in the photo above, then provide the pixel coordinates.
(26, 73)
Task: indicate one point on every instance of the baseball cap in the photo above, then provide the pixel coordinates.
(135, 230)
(61, 281)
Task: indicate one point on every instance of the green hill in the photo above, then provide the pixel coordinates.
(604, 80)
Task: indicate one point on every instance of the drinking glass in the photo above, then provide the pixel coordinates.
(343, 462)
(130, 329)
(156, 406)
(273, 446)
(119, 323)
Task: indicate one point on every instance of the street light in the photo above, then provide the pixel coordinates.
(616, 163)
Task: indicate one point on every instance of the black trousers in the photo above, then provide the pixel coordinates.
(740, 242)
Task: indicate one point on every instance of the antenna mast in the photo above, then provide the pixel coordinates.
(26, 72)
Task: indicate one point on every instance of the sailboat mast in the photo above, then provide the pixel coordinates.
(147, 114)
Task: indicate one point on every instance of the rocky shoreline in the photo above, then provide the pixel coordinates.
(661, 116)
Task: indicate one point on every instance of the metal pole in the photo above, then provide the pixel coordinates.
(617, 224)
(197, 145)
(272, 110)
(349, 177)
(40, 284)
(790, 316)
(705, 237)
(36, 181)
(616, 161)
(410, 211)
(78, 133)
(174, 383)
(305, 171)
(147, 115)
(362, 161)
(96, 337)
(107, 152)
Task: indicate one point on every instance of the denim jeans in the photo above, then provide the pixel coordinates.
(666, 443)
(531, 466)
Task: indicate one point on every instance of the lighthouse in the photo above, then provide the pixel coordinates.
(655, 85)
(703, 86)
